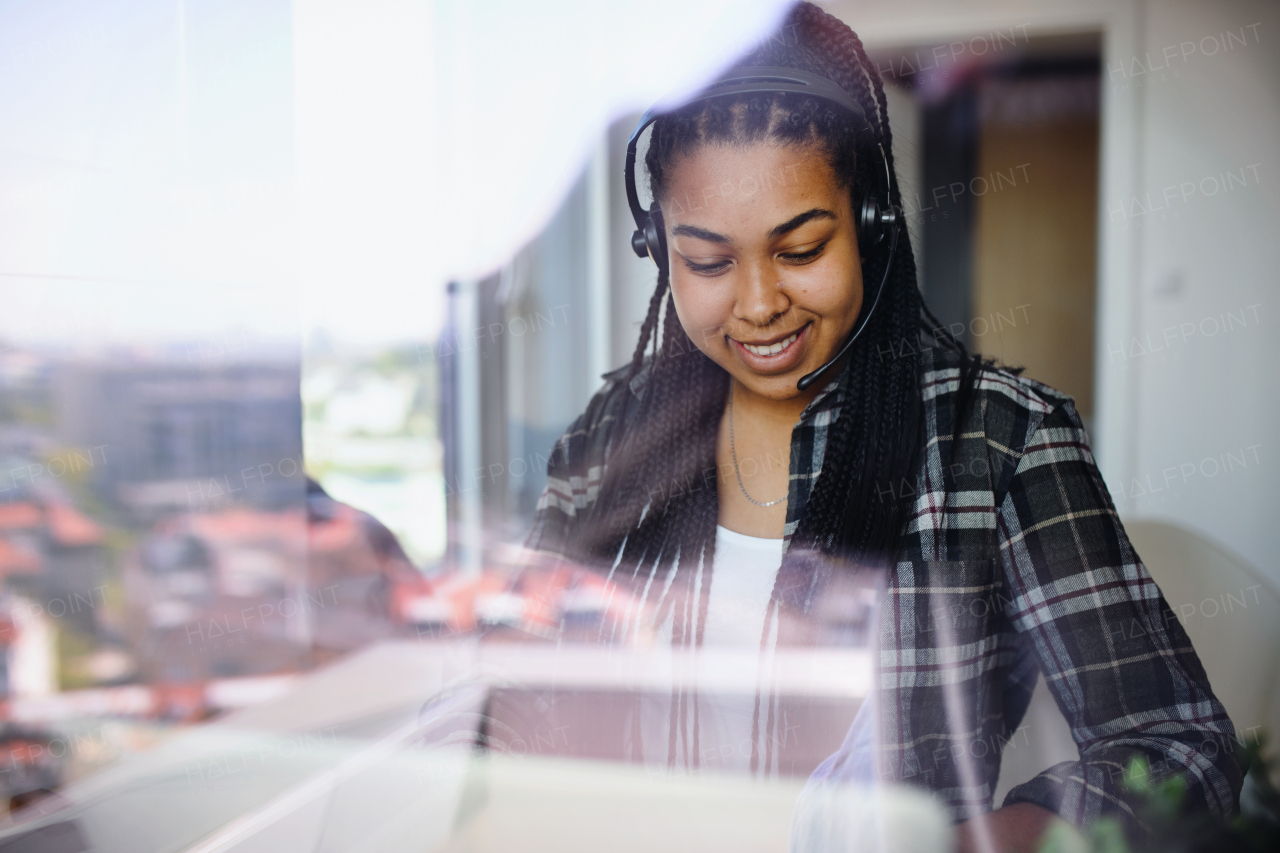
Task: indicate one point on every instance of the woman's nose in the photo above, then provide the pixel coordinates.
(761, 296)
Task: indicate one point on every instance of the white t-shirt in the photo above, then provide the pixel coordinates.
(742, 582)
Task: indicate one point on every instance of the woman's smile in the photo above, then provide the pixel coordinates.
(775, 354)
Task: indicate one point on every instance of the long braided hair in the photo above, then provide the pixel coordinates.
(655, 519)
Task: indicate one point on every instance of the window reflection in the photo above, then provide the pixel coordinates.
(266, 569)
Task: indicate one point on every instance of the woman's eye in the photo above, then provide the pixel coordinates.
(707, 269)
(803, 257)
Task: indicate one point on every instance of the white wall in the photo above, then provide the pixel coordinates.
(1208, 392)
(905, 121)
(1171, 414)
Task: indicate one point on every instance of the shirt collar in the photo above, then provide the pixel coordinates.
(830, 398)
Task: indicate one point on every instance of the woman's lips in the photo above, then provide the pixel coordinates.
(775, 357)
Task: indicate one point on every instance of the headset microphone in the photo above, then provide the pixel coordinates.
(809, 378)
(877, 217)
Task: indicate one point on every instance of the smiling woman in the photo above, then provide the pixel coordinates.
(713, 476)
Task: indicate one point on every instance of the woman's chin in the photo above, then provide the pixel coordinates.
(778, 388)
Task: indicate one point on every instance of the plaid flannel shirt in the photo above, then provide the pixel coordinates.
(1015, 563)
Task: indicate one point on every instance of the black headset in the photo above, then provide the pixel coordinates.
(878, 219)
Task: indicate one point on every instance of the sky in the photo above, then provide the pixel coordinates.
(146, 170)
(174, 170)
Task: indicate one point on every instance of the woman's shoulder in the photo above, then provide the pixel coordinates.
(1006, 407)
(585, 442)
(615, 398)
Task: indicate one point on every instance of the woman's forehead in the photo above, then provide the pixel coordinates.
(719, 178)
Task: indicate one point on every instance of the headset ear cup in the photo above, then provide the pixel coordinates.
(655, 236)
(869, 225)
(639, 244)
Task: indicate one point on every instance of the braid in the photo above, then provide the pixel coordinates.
(658, 505)
(886, 135)
(650, 321)
(851, 68)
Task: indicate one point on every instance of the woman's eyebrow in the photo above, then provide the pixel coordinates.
(796, 221)
(790, 225)
(699, 233)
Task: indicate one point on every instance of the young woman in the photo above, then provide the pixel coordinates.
(703, 467)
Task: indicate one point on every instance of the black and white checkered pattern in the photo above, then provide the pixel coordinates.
(1015, 562)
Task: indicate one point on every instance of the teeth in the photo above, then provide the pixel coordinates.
(772, 349)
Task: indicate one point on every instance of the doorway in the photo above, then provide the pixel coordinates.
(998, 162)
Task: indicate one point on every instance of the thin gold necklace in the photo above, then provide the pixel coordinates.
(733, 450)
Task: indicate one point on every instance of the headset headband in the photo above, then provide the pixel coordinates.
(760, 79)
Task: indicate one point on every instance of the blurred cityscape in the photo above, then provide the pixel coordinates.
(164, 554)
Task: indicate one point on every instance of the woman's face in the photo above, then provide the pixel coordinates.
(764, 261)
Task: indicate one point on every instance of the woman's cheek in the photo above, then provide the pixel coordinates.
(698, 317)
(830, 297)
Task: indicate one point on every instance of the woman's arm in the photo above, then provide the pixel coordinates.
(1016, 828)
(1118, 663)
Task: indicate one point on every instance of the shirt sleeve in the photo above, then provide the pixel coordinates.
(1115, 658)
(575, 468)
(564, 496)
